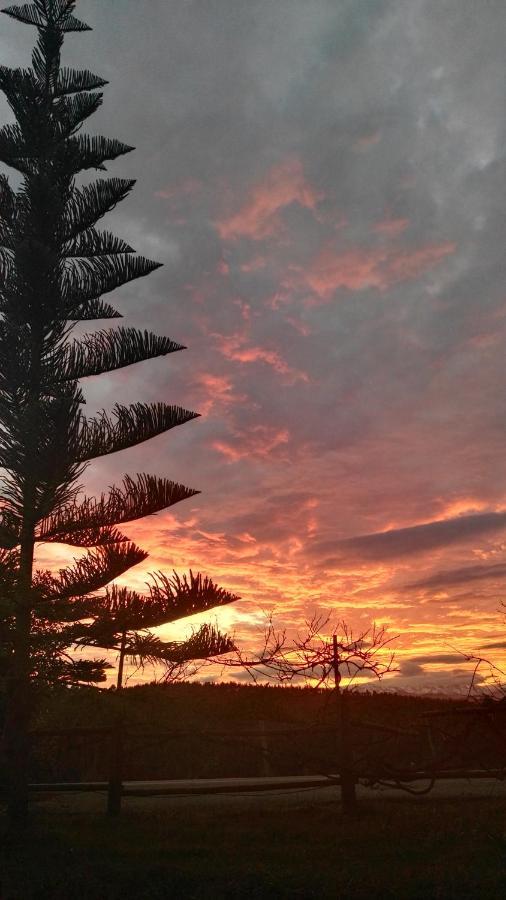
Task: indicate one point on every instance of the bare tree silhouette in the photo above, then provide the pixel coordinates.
(309, 656)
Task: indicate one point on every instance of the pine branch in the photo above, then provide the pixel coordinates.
(74, 110)
(69, 612)
(10, 529)
(96, 243)
(76, 671)
(72, 81)
(106, 351)
(14, 151)
(169, 599)
(7, 270)
(127, 426)
(92, 310)
(7, 201)
(88, 537)
(9, 573)
(56, 14)
(121, 609)
(89, 278)
(84, 151)
(6, 244)
(133, 500)
(90, 203)
(73, 24)
(46, 56)
(96, 569)
(205, 643)
(28, 14)
(183, 596)
(21, 89)
(52, 425)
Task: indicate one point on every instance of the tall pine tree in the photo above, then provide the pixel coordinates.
(55, 268)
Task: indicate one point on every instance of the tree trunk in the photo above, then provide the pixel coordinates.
(18, 708)
(121, 664)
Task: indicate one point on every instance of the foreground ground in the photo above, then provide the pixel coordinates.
(291, 845)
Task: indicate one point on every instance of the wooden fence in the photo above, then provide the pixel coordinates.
(460, 743)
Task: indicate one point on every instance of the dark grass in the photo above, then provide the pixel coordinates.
(405, 848)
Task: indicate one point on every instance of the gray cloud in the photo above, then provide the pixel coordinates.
(439, 658)
(464, 575)
(414, 667)
(422, 538)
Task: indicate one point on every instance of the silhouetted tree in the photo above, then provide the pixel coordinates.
(309, 656)
(55, 267)
(123, 621)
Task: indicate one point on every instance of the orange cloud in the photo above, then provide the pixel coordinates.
(258, 218)
(357, 269)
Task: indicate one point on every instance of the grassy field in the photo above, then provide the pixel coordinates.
(405, 848)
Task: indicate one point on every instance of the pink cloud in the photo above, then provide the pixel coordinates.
(222, 267)
(391, 227)
(259, 441)
(259, 262)
(403, 266)
(357, 269)
(244, 307)
(301, 327)
(258, 217)
(236, 348)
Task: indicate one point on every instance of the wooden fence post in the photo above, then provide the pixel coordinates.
(115, 790)
(265, 759)
(344, 755)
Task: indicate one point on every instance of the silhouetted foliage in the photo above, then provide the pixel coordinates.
(122, 620)
(55, 267)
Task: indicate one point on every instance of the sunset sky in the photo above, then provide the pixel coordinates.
(324, 183)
